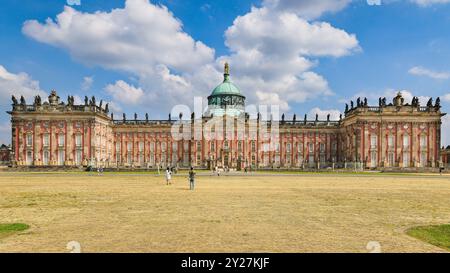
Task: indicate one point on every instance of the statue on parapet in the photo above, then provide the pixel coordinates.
(14, 100)
(437, 105)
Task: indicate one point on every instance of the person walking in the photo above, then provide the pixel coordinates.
(191, 179)
(168, 176)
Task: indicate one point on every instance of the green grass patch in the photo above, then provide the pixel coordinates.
(435, 235)
(10, 229)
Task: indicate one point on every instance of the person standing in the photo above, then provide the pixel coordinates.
(168, 176)
(191, 179)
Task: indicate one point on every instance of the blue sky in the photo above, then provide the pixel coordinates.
(141, 65)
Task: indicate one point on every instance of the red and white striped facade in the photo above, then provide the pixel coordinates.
(390, 136)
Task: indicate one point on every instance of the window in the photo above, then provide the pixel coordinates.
(61, 140)
(254, 146)
(186, 146)
(61, 157)
(152, 147)
(46, 158)
(311, 148)
(78, 157)
(141, 146)
(29, 158)
(164, 146)
(373, 142)
(288, 148)
(46, 140)
(406, 160)
(29, 139)
(78, 140)
(391, 141)
(199, 146)
(239, 146)
(129, 146)
(423, 141)
(174, 146)
(391, 159)
(322, 147)
(406, 141)
(212, 147)
(373, 159)
(423, 159)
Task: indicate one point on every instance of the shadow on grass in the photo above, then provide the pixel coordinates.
(436, 235)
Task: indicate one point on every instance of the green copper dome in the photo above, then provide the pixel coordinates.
(227, 87)
(226, 99)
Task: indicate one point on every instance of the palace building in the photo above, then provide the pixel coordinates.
(394, 134)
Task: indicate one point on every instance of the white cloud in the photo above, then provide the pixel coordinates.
(421, 71)
(87, 83)
(273, 50)
(273, 53)
(135, 38)
(426, 3)
(446, 97)
(17, 84)
(125, 93)
(334, 114)
(5, 133)
(141, 38)
(309, 9)
(389, 94)
(20, 84)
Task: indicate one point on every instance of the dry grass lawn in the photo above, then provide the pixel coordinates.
(139, 213)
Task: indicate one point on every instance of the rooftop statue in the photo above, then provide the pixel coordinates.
(14, 100)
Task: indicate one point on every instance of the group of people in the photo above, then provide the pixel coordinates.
(191, 177)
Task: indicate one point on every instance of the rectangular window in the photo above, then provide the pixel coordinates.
(129, 146)
(254, 146)
(423, 142)
(288, 148)
(61, 140)
(175, 146)
(61, 157)
(46, 158)
(78, 140)
(239, 146)
(391, 141)
(212, 147)
(141, 146)
(423, 159)
(391, 159)
(322, 147)
(29, 139)
(311, 148)
(78, 157)
(406, 160)
(46, 140)
(406, 141)
(373, 142)
(29, 158)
